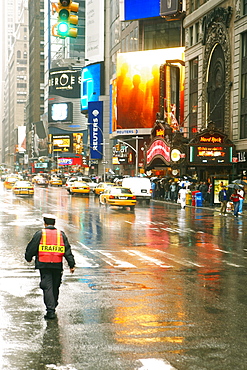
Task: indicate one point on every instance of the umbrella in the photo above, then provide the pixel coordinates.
(234, 186)
(240, 182)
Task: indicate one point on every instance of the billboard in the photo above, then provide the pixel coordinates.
(94, 40)
(170, 7)
(65, 82)
(91, 84)
(69, 143)
(60, 112)
(39, 141)
(21, 132)
(138, 9)
(95, 118)
(138, 86)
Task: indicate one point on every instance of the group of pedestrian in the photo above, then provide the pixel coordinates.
(236, 197)
(165, 189)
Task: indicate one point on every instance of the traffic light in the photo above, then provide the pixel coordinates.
(63, 27)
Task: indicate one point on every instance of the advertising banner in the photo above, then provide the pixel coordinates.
(138, 86)
(94, 48)
(138, 9)
(95, 118)
(91, 78)
(65, 82)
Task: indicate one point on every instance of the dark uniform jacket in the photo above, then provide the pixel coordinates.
(33, 248)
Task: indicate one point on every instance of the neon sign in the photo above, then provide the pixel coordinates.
(211, 139)
(160, 132)
(158, 148)
(210, 152)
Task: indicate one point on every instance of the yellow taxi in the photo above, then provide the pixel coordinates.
(101, 187)
(10, 181)
(79, 187)
(118, 196)
(55, 181)
(23, 188)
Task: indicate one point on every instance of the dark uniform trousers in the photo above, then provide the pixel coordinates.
(50, 283)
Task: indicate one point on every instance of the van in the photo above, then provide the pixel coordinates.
(139, 186)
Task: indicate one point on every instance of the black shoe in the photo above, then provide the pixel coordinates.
(50, 316)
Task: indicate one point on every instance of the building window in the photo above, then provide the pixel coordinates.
(18, 54)
(191, 35)
(244, 7)
(243, 109)
(193, 97)
(21, 85)
(197, 31)
(162, 34)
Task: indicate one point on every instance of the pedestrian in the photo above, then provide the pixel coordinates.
(223, 198)
(235, 197)
(153, 187)
(173, 189)
(182, 196)
(210, 194)
(167, 191)
(49, 246)
(241, 200)
(203, 188)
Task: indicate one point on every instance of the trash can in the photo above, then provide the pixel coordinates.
(188, 198)
(194, 192)
(199, 199)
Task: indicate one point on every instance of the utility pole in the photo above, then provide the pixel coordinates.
(136, 151)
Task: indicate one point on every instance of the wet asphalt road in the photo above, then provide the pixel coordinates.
(160, 288)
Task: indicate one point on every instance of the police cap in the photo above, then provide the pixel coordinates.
(48, 216)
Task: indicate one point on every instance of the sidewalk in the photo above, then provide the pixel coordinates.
(215, 208)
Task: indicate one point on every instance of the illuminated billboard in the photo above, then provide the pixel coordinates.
(91, 83)
(138, 9)
(211, 149)
(69, 143)
(64, 82)
(60, 112)
(138, 86)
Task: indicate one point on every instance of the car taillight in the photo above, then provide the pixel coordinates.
(111, 197)
(134, 197)
(150, 191)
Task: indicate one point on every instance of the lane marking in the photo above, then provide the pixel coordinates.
(155, 364)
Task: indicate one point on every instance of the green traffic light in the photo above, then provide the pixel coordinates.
(63, 28)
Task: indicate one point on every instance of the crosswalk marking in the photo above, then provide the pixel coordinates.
(117, 262)
(95, 258)
(143, 256)
(176, 260)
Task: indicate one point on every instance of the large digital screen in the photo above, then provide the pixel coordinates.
(60, 112)
(64, 82)
(91, 82)
(61, 143)
(138, 9)
(138, 87)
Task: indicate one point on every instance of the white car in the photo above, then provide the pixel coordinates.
(86, 179)
(140, 187)
(69, 182)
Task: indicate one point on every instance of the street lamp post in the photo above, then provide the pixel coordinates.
(136, 151)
